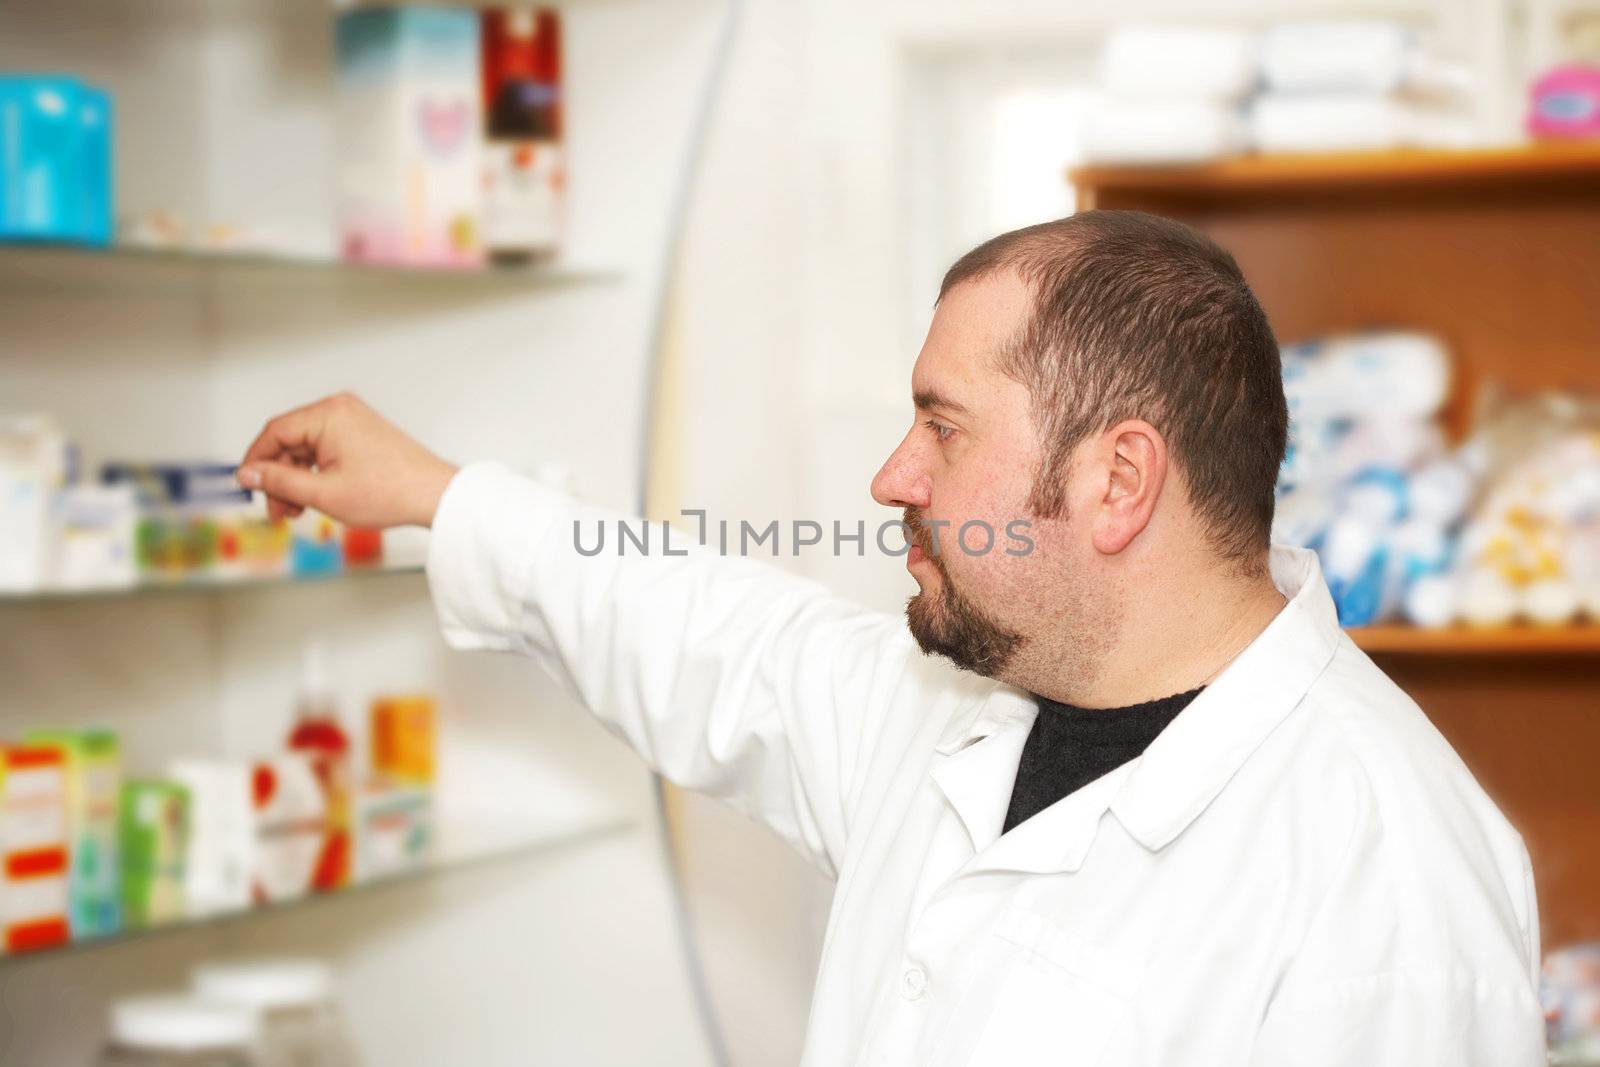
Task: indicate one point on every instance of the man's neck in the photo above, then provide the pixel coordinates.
(1166, 639)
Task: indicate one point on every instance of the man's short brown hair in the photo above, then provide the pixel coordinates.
(1137, 316)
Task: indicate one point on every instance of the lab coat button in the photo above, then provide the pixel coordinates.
(913, 983)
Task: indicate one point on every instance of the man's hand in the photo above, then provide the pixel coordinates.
(344, 459)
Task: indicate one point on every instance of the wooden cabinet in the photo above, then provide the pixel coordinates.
(1497, 252)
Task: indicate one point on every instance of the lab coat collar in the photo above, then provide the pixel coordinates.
(978, 762)
(1191, 761)
(1158, 795)
(1002, 706)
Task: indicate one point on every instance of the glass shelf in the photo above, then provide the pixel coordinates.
(135, 268)
(202, 585)
(466, 850)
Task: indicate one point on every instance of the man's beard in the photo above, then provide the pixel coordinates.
(946, 623)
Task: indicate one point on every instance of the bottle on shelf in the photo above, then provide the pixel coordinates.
(524, 173)
(296, 1001)
(319, 735)
(174, 1030)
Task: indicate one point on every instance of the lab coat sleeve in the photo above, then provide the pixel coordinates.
(1375, 986)
(1405, 1018)
(727, 675)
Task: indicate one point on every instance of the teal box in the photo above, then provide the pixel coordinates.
(96, 167)
(55, 160)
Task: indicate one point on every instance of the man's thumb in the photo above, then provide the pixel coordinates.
(282, 481)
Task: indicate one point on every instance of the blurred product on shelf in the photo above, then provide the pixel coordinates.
(1396, 374)
(395, 808)
(315, 547)
(410, 160)
(1570, 992)
(1166, 62)
(219, 862)
(404, 739)
(524, 170)
(362, 548)
(1564, 102)
(1170, 94)
(87, 855)
(184, 511)
(154, 229)
(1321, 57)
(1160, 131)
(449, 128)
(1358, 85)
(289, 832)
(1504, 528)
(319, 736)
(147, 522)
(92, 762)
(55, 160)
(1174, 94)
(1353, 122)
(1531, 548)
(177, 1030)
(171, 230)
(301, 1024)
(153, 837)
(257, 831)
(96, 531)
(33, 848)
(394, 828)
(33, 470)
(1365, 481)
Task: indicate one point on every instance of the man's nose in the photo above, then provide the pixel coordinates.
(902, 481)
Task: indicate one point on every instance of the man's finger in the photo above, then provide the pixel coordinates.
(295, 432)
(284, 483)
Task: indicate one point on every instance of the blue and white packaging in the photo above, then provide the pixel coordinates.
(1389, 374)
(409, 120)
(1355, 558)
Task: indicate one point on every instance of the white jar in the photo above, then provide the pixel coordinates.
(301, 1025)
(181, 1031)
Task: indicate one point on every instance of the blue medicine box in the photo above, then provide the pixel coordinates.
(55, 160)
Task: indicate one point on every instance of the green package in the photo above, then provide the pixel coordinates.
(153, 833)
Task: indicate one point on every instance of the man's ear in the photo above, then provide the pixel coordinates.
(1133, 460)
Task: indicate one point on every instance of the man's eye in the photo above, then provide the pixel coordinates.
(940, 429)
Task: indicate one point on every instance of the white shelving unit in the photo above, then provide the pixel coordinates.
(458, 850)
(224, 114)
(134, 269)
(195, 586)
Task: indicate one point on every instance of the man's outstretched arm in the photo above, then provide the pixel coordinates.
(727, 675)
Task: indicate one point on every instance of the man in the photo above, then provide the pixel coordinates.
(1166, 814)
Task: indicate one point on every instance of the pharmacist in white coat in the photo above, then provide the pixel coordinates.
(1117, 791)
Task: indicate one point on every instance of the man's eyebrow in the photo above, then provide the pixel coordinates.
(928, 399)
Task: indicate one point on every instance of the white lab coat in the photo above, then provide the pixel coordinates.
(1299, 871)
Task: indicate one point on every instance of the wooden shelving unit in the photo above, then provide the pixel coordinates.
(1355, 174)
(1496, 252)
(1479, 641)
